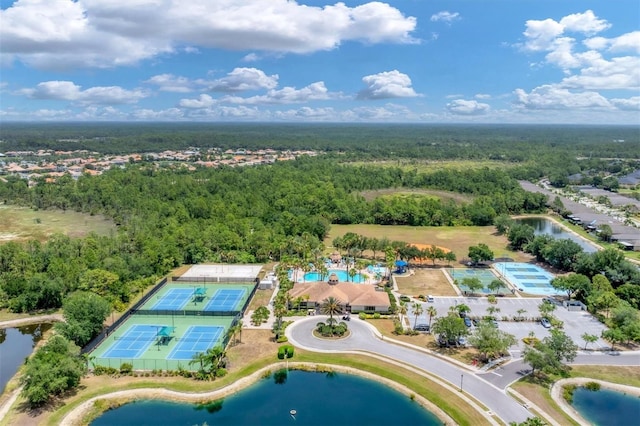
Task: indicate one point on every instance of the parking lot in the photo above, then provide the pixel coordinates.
(575, 323)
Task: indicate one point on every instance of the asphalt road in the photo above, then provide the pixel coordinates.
(364, 338)
(506, 374)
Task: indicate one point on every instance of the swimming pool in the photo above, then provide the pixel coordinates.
(527, 278)
(340, 273)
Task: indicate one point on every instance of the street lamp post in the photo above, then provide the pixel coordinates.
(461, 378)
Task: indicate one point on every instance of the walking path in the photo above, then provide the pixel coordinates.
(31, 320)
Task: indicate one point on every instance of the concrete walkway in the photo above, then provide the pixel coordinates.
(364, 338)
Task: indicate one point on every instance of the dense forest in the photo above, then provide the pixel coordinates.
(169, 216)
(513, 143)
(254, 214)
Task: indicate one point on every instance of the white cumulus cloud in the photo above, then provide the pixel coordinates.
(445, 16)
(558, 98)
(386, 85)
(106, 33)
(467, 107)
(171, 83)
(69, 91)
(630, 104)
(241, 79)
(203, 101)
(286, 95)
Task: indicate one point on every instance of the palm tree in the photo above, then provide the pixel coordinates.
(431, 311)
(402, 310)
(199, 358)
(331, 306)
(214, 357)
(417, 311)
(236, 329)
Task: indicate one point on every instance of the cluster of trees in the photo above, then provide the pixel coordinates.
(551, 353)
(53, 370)
(211, 363)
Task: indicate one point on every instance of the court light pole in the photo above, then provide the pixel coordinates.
(461, 378)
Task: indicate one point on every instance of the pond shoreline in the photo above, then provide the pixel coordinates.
(558, 387)
(78, 414)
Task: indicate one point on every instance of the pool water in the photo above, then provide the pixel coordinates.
(527, 278)
(606, 406)
(317, 398)
(341, 274)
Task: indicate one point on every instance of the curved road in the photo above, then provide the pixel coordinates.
(365, 338)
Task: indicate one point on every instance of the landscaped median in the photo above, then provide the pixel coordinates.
(447, 405)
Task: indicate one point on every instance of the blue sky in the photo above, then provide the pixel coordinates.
(425, 61)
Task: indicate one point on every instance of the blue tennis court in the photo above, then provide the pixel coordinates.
(527, 278)
(174, 299)
(225, 300)
(134, 342)
(197, 338)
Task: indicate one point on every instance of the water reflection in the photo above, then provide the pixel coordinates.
(543, 226)
(16, 344)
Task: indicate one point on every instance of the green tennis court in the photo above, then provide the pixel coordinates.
(486, 276)
(138, 341)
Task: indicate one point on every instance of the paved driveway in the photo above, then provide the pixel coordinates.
(364, 338)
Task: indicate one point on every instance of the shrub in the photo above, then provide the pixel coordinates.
(592, 386)
(376, 315)
(362, 316)
(282, 339)
(285, 351)
(99, 370)
(126, 368)
(567, 393)
(221, 372)
(492, 298)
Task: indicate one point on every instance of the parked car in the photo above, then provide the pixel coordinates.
(442, 341)
(545, 323)
(467, 322)
(462, 341)
(475, 321)
(430, 299)
(421, 327)
(494, 323)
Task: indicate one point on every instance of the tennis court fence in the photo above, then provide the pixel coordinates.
(210, 280)
(184, 313)
(158, 338)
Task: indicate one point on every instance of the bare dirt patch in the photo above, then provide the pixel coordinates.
(253, 346)
(425, 281)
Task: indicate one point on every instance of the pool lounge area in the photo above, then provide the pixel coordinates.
(527, 278)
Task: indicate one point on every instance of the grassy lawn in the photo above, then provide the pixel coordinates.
(537, 391)
(21, 223)
(425, 281)
(256, 350)
(455, 238)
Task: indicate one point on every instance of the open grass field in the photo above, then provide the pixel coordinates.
(422, 165)
(458, 238)
(430, 193)
(21, 223)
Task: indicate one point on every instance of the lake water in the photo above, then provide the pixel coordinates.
(542, 226)
(607, 407)
(15, 345)
(318, 398)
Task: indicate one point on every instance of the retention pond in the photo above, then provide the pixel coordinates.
(286, 398)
